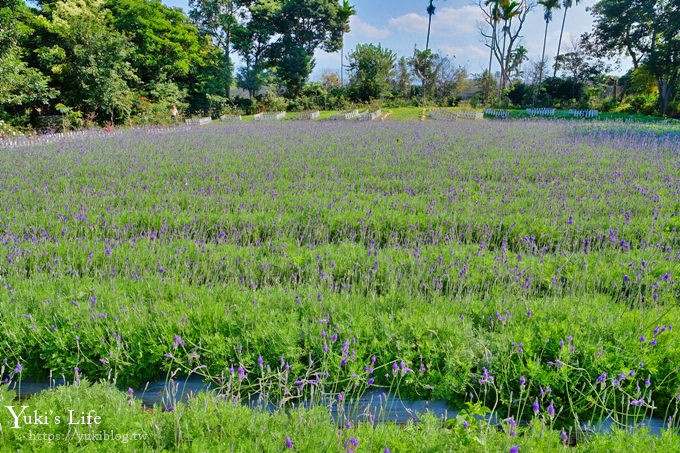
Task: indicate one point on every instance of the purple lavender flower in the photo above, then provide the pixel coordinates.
(177, 341)
(289, 443)
(601, 378)
(536, 407)
(18, 369)
(551, 410)
(564, 436)
(514, 449)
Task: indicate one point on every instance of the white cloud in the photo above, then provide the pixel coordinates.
(446, 20)
(462, 53)
(364, 30)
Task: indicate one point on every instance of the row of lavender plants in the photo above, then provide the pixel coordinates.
(527, 269)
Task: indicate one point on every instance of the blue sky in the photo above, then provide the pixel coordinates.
(400, 25)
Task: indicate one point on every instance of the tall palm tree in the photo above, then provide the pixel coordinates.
(548, 6)
(566, 4)
(430, 12)
(495, 17)
(345, 12)
(508, 10)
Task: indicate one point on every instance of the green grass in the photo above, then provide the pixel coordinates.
(209, 423)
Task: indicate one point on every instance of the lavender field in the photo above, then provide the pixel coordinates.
(529, 269)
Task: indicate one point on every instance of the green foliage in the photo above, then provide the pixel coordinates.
(563, 91)
(22, 87)
(88, 59)
(488, 89)
(647, 31)
(371, 68)
(166, 45)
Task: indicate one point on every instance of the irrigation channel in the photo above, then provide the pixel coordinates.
(374, 406)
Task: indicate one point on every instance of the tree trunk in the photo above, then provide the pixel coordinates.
(342, 59)
(427, 42)
(665, 93)
(545, 37)
(559, 43)
(504, 58)
(493, 44)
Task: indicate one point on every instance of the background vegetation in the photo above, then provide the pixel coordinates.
(65, 65)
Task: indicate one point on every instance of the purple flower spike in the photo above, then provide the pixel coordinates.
(514, 449)
(564, 436)
(536, 407)
(551, 410)
(289, 443)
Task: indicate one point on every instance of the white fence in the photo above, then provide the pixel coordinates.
(453, 115)
(230, 118)
(541, 111)
(344, 115)
(584, 113)
(309, 115)
(198, 121)
(369, 116)
(497, 113)
(269, 116)
(17, 141)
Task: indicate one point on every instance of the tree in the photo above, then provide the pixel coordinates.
(21, 86)
(302, 27)
(402, 78)
(330, 80)
(493, 18)
(426, 66)
(487, 87)
(252, 40)
(513, 14)
(566, 4)
(218, 19)
(648, 31)
(344, 14)
(548, 6)
(370, 68)
(430, 12)
(166, 44)
(437, 73)
(88, 58)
